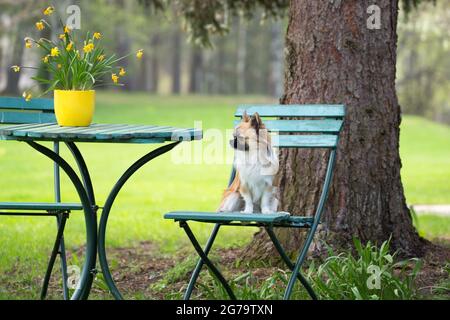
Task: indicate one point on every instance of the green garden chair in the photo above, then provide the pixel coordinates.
(294, 126)
(39, 111)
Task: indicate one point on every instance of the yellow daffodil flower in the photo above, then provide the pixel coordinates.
(69, 46)
(49, 11)
(115, 78)
(67, 29)
(28, 43)
(54, 52)
(88, 48)
(97, 35)
(16, 68)
(27, 96)
(45, 59)
(62, 36)
(40, 25)
(101, 57)
(140, 53)
(122, 72)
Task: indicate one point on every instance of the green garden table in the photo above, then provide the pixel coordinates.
(96, 133)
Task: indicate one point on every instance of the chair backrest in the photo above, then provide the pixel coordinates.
(17, 111)
(320, 129)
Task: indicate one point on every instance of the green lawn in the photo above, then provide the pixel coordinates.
(163, 186)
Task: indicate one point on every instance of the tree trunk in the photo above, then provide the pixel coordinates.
(176, 60)
(196, 70)
(12, 86)
(123, 43)
(275, 83)
(153, 65)
(332, 57)
(241, 57)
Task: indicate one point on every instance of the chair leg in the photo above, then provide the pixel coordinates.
(298, 264)
(206, 260)
(290, 264)
(55, 252)
(199, 265)
(62, 255)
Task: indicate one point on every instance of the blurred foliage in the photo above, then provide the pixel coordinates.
(208, 17)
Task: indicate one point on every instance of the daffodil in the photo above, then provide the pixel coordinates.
(54, 52)
(27, 96)
(101, 57)
(69, 46)
(67, 29)
(97, 35)
(88, 47)
(122, 72)
(49, 11)
(115, 78)
(40, 25)
(45, 59)
(62, 36)
(140, 53)
(28, 43)
(16, 68)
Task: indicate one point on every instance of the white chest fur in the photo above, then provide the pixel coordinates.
(254, 173)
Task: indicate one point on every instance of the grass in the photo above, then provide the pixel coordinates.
(163, 186)
(425, 152)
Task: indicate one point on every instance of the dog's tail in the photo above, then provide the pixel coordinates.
(231, 196)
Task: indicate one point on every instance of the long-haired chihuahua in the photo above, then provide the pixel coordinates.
(256, 164)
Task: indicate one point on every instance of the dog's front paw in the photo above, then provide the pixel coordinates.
(266, 210)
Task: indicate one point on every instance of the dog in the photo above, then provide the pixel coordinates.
(256, 164)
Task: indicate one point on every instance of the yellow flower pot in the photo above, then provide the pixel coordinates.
(74, 108)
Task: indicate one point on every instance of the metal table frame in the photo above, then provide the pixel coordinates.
(84, 187)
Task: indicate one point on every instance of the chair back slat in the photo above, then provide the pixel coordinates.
(305, 141)
(15, 110)
(307, 110)
(313, 126)
(320, 130)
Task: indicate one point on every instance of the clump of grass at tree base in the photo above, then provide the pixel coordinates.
(73, 63)
(346, 277)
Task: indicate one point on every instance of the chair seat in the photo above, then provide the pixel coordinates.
(229, 217)
(42, 206)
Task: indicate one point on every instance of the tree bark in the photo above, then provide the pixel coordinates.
(332, 57)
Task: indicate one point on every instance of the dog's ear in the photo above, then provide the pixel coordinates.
(256, 122)
(245, 117)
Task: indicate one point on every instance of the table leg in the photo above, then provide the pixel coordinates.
(107, 208)
(87, 182)
(86, 276)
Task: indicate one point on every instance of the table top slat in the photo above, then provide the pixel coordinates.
(119, 133)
